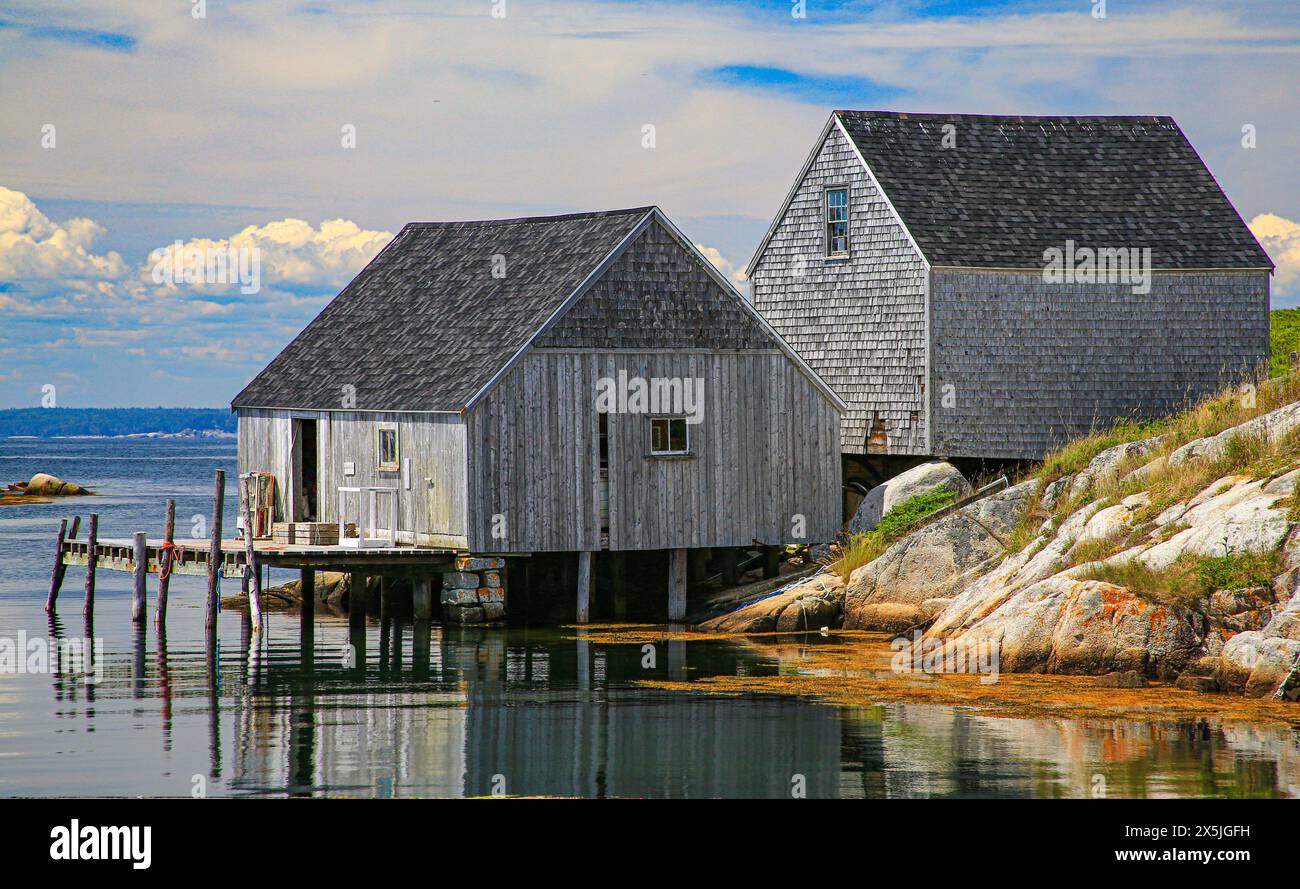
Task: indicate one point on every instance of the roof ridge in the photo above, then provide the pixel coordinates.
(519, 220)
(906, 115)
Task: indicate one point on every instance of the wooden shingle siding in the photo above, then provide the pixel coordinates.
(858, 322)
(655, 296)
(430, 514)
(1032, 364)
(765, 452)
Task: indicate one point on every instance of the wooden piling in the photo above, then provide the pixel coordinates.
(140, 559)
(214, 554)
(56, 576)
(422, 598)
(730, 569)
(250, 554)
(91, 557)
(618, 581)
(76, 523)
(677, 585)
(385, 598)
(307, 589)
(356, 598)
(165, 563)
(584, 587)
(771, 561)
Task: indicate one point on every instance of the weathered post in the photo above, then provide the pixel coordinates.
(356, 598)
(91, 541)
(584, 587)
(214, 554)
(56, 576)
(140, 557)
(677, 585)
(166, 562)
(730, 570)
(422, 598)
(385, 598)
(618, 580)
(250, 553)
(771, 561)
(307, 588)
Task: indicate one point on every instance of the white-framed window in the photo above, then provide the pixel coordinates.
(386, 445)
(669, 436)
(837, 221)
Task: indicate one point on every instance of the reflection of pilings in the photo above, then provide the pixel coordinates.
(214, 717)
(164, 685)
(676, 660)
(420, 638)
(56, 633)
(357, 641)
(384, 626)
(137, 661)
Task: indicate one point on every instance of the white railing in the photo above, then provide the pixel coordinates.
(367, 505)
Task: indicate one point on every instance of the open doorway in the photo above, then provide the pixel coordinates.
(304, 499)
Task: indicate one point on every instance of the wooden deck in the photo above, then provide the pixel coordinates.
(117, 554)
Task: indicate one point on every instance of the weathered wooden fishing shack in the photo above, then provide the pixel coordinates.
(980, 286)
(580, 384)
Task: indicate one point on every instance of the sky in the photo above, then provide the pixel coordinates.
(313, 131)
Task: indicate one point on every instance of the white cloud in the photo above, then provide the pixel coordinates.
(722, 264)
(291, 253)
(1281, 238)
(34, 248)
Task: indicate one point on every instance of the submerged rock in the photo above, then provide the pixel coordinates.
(45, 485)
(813, 604)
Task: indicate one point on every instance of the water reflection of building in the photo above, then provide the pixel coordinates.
(550, 717)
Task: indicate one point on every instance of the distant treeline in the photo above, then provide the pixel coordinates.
(54, 421)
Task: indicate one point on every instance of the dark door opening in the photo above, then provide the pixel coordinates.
(304, 476)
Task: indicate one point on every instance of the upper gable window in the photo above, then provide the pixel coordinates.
(837, 221)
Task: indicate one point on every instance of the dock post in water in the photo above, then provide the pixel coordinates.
(91, 540)
(56, 576)
(140, 564)
(730, 569)
(166, 562)
(255, 596)
(677, 585)
(584, 587)
(356, 598)
(385, 597)
(307, 588)
(214, 554)
(422, 598)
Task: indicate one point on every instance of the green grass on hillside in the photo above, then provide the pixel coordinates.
(1284, 338)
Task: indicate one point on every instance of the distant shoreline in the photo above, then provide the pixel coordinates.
(189, 435)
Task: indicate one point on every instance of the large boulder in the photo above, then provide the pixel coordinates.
(1256, 663)
(924, 479)
(898, 590)
(1061, 625)
(813, 604)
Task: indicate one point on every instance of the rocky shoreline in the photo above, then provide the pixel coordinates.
(1035, 570)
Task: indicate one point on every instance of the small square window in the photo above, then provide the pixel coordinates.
(387, 442)
(837, 221)
(669, 436)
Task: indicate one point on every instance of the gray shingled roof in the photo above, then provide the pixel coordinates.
(425, 325)
(1014, 186)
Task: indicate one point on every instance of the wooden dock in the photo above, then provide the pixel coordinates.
(192, 556)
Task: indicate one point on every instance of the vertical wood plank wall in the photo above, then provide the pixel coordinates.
(430, 514)
(766, 451)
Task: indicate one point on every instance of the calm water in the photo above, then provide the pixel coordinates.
(452, 712)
